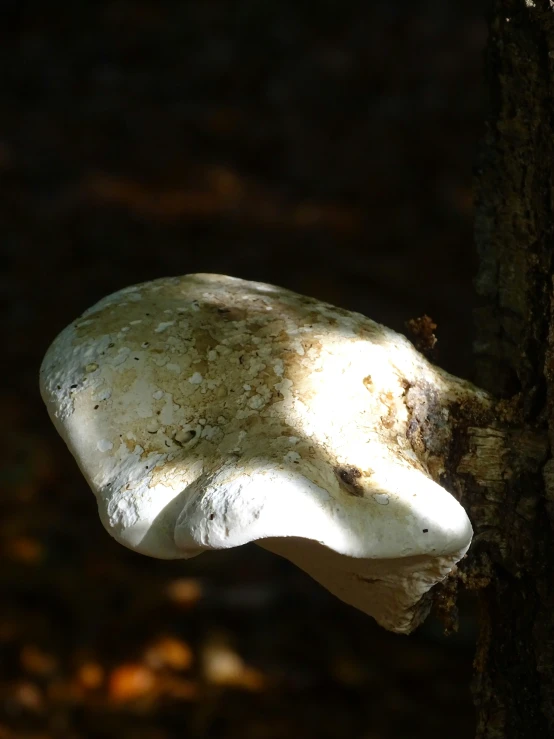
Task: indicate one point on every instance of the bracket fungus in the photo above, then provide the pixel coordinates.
(206, 412)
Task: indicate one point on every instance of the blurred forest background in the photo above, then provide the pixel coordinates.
(323, 146)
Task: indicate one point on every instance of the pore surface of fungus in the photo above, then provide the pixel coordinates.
(207, 412)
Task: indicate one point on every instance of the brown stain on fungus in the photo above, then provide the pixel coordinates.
(368, 383)
(349, 477)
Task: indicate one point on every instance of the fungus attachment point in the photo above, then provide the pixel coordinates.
(221, 412)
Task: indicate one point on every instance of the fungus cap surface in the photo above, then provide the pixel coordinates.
(206, 412)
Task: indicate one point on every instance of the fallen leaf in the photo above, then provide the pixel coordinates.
(25, 549)
(90, 675)
(28, 696)
(37, 661)
(221, 665)
(168, 651)
(185, 591)
(130, 681)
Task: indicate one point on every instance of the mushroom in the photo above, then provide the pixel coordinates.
(207, 412)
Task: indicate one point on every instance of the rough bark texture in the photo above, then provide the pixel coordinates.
(514, 679)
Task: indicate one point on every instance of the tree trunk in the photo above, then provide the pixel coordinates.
(514, 519)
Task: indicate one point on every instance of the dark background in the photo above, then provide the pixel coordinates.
(323, 146)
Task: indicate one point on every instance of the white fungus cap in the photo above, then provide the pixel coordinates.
(207, 412)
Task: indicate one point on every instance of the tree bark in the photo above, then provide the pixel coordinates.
(513, 513)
